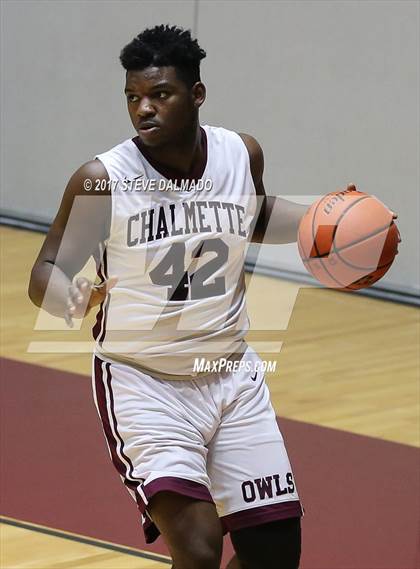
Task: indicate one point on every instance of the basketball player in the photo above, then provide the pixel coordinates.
(168, 215)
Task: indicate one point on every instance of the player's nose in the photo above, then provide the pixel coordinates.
(145, 108)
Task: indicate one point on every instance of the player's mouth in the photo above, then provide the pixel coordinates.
(148, 127)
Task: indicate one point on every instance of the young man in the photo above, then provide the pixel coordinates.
(168, 215)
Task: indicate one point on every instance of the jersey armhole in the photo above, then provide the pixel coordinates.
(112, 193)
(248, 161)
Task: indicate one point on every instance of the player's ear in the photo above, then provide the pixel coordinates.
(198, 91)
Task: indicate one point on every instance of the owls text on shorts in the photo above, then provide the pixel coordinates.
(207, 366)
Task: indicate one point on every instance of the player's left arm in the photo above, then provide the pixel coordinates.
(277, 219)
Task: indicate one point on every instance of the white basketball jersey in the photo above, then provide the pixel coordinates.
(178, 253)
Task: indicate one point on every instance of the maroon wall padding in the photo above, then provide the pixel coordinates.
(361, 495)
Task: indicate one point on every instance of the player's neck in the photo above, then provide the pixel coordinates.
(182, 155)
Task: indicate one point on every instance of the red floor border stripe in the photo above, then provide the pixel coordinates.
(360, 494)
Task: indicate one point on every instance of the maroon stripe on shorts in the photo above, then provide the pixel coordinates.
(169, 483)
(106, 301)
(178, 485)
(173, 484)
(261, 515)
(99, 316)
(129, 479)
(151, 532)
(98, 324)
(114, 420)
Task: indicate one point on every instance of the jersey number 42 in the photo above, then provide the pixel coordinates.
(171, 272)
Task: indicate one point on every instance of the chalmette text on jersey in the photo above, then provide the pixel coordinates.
(185, 218)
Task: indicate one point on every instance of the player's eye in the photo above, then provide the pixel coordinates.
(132, 98)
(162, 94)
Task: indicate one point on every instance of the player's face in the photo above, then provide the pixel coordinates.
(162, 108)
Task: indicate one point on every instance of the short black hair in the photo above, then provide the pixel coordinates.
(165, 46)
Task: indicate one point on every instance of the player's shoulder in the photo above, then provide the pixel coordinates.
(126, 146)
(119, 154)
(243, 140)
(93, 169)
(92, 177)
(256, 155)
(86, 178)
(221, 133)
(122, 160)
(252, 144)
(232, 138)
(85, 182)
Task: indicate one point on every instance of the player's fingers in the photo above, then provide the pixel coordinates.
(351, 187)
(71, 307)
(68, 320)
(106, 286)
(100, 291)
(83, 284)
(75, 294)
(111, 282)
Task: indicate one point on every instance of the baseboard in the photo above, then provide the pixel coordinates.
(378, 292)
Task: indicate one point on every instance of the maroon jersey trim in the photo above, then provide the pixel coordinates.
(197, 169)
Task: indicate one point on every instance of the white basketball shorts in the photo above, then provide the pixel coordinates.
(215, 438)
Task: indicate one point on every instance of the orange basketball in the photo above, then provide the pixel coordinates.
(348, 239)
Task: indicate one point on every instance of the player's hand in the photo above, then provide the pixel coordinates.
(395, 216)
(352, 187)
(84, 295)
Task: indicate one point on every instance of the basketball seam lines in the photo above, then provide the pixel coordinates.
(316, 247)
(339, 249)
(321, 257)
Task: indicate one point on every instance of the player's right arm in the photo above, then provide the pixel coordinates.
(81, 224)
